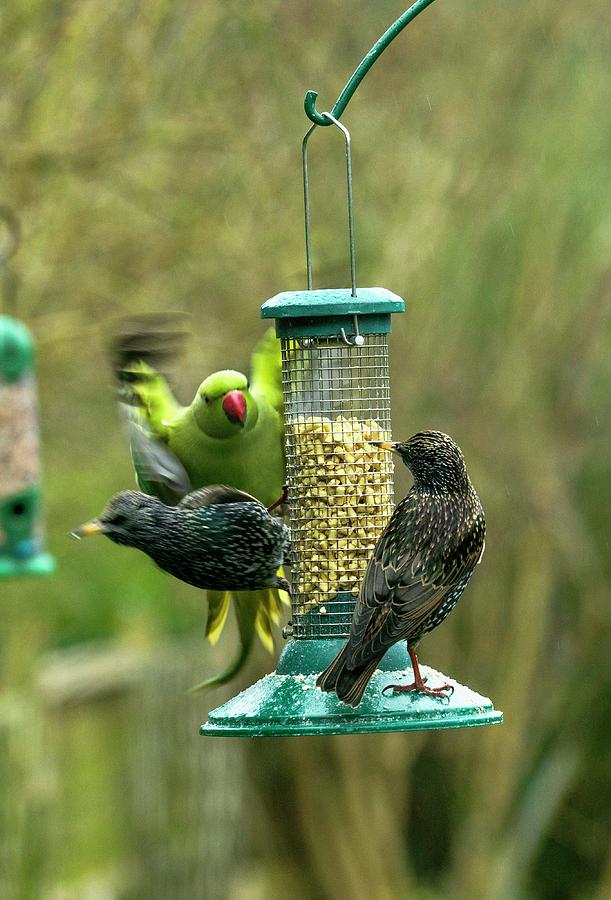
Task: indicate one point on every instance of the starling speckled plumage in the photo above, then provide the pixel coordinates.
(419, 567)
(217, 538)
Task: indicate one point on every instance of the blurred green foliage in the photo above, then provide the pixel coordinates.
(151, 151)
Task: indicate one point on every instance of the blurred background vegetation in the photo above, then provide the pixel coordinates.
(151, 152)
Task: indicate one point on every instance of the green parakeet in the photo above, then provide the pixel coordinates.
(231, 433)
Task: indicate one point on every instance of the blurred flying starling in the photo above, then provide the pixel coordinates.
(419, 567)
(217, 538)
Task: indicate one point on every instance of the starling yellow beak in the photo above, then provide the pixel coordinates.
(384, 445)
(89, 528)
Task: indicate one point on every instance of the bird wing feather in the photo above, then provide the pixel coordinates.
(214, 494)
(146, 402)
(407, 579)
(158, 470)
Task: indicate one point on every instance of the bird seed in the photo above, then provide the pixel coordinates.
(342, 491)
(19, 459)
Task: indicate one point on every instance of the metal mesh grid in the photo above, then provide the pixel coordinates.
(337, 397)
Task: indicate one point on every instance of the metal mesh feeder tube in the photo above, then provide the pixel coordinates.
(336, 395)
(336, 399)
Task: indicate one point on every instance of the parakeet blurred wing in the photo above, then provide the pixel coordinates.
(158, 470)
(215, 494)
(152, 338)
(218, 609)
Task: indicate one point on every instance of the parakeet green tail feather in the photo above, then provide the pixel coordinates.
(275, 606)
(277, 600)
(269, 613)
(270, 600)
(256, 612)
(264, 628)
(218, 608)
(246, 604)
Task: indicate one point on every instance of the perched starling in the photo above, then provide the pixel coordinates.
(217, 538)
(419, 567)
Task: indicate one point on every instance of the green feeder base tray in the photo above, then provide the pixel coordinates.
(41, 564)
(287, 702)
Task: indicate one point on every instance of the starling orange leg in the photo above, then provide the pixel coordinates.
(419, 683)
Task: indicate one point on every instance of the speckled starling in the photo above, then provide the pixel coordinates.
(419, 567)
(217, 538)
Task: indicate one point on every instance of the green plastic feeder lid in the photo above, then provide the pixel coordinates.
(287, 702)
(16, 349)
(324, 312)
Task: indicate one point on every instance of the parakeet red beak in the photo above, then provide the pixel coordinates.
(234, 407)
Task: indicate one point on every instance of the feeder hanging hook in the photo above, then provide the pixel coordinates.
(306, 201)
(309, 103)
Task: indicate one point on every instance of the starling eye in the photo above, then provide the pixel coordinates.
(18, 509)
(119, 519)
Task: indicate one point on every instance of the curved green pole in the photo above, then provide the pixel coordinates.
(309, 104)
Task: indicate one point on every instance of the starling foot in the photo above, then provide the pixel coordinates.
(419, 683)
(421, 688)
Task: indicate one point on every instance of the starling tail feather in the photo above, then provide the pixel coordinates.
(348, 683)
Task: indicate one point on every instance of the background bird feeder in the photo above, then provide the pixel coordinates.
(22, 547)
(336, 386)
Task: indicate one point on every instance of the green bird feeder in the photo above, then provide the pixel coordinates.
(336, 383)
(22, 545)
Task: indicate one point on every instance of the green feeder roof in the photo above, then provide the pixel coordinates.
(331, 302)
(287, 702)
(324, 312)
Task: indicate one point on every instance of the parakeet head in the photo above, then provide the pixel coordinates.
(433, 458)
(224, 405)
(129, 518)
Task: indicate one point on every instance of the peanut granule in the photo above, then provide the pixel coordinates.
(343, 489)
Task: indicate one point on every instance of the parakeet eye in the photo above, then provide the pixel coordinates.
(206, 398)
